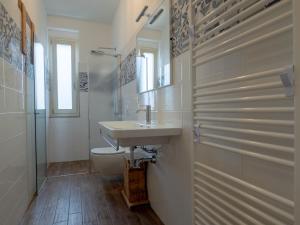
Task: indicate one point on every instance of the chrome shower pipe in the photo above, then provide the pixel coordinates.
(99, 52)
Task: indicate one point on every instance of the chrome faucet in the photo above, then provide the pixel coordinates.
(147, 109)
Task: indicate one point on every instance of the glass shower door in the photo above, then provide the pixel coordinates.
(40, 116)
(102, 71)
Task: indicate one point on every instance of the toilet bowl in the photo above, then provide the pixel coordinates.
(107, 161)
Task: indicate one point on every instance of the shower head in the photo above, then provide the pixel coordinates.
(97, 52)
(102, 53)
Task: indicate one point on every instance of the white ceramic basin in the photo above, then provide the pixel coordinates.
(130, 133)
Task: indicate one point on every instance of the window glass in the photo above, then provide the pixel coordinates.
(64, 76)
(142, 69)
(39, 76)
(150, 69)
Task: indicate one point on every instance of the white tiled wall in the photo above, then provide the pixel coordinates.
(69, 137)
(14, 154)
(169, 180)
(17, 155)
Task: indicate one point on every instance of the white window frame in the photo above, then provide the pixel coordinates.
(54, 111)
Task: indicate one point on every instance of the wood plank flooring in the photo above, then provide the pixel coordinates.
(68, 168)
(85, 199)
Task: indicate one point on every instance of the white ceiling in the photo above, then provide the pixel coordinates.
(96, 10)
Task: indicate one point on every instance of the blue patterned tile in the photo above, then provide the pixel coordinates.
(128, 68)
(10, 38)
(201, 8)
(83, 82)
(29, 67)
(179, 26)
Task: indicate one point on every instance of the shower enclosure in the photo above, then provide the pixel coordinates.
(40, 116)
(104, 93)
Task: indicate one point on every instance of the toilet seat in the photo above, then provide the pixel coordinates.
(106, 151)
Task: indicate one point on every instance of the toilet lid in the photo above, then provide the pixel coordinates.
(106, 151)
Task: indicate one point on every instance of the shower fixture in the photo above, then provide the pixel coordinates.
(102, 53)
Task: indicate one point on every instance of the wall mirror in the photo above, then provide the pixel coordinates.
(153, 51)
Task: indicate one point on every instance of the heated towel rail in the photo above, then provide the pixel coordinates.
(243, 107)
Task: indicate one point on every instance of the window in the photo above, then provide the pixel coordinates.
(39, 76)
(148, 67)
(64, 89)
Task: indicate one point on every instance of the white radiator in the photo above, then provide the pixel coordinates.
(243, 103)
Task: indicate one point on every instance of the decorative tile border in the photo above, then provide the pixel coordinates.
(128, 68)
(29, 67)
(203, 7)
(10, 39)
(10, 42)
(83, 82)
(179, 26)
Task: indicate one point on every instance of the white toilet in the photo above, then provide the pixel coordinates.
(107, 161)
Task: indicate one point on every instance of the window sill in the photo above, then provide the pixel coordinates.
(65, 115)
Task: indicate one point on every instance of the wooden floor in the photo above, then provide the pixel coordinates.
(68, 168)
(85, 199)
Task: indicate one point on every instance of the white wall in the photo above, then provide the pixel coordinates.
(169, 181)
(17, 155)
(91, 34)
(124, 25)
(68, 138)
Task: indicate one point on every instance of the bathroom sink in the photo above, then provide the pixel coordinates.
(131, 133)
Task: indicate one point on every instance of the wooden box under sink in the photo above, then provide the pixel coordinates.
(135, 184)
